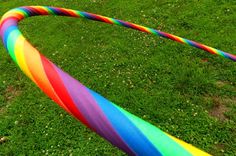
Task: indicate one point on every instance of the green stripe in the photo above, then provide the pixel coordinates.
(116, 22)
(80, 14)
(11, 40)
(50, 11)
(158, 138)
(24, 12)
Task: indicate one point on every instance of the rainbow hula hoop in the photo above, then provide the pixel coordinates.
(124, 130)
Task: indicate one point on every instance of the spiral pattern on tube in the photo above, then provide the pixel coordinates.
(124, 130)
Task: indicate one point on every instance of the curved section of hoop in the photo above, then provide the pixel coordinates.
(124, 130)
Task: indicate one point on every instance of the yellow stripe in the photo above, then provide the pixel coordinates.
(19, 53)
(191, 149)
(43, 8)
(215, 51)
(12, 13)
(180, 39)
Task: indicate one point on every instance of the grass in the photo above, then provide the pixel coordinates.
(184, 91)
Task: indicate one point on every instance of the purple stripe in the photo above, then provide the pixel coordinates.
(6, 24)
(91, 111)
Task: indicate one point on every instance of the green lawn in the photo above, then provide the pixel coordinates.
(182, 90)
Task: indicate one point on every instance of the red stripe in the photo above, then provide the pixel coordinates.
(8, 19)
(101, 18)
(71, 13)
(171, 37)
(178, 39)
(60, 89)
(207, 49)
(138, 27)
(15, 16)
(42, 11)
(105, 19)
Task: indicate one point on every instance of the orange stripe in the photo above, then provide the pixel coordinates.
(41, 10)
(19, 53)
(34, 64)
(71, 12)
(15, 14)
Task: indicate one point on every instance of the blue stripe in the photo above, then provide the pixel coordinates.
(6, 34)
(91, 17)
(124, 24)
(25, 11)
(134, 138)
(58, 11)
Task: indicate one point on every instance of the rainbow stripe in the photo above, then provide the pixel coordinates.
(124, 130)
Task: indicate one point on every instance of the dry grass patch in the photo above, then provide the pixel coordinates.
(220, 107)
(11, 92)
